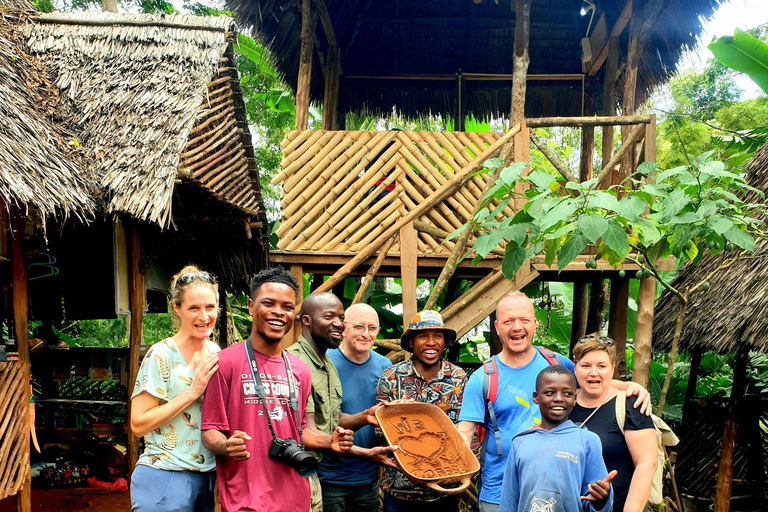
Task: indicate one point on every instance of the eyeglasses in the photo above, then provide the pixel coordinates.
(360, 328)
(188, 277)
(608, 342)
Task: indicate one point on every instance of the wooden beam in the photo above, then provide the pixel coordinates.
(609, 105)
(408, 271)
(616, 31)
(598, 294)
(520, 60)
(552, 157)
(446, 189)
(457, 252)
(548, 122)
(618, 311)
(325, 20)
(728, 444)
(579, 319)
(21, 332)
(626, 149)
(305, 66)
(292, 336)
(368, 279)
(138, 302)
(331, 96)
(646, 297)
(587, 148)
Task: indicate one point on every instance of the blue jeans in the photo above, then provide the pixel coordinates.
(351, 498)
(446, 504)
(484, 506)
(158, 490)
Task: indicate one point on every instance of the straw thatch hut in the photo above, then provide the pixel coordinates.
(155, 101)
(154, 105)
(732, 315)
(729, 318)
(421, 56)
(41, 178)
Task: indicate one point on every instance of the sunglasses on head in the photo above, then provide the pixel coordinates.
(602, 339)
(188, 277)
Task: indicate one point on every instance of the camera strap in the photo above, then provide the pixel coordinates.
(259, 388)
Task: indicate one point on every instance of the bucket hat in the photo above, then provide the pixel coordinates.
(424, 320)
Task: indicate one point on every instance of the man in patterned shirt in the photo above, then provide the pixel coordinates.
(426, 377)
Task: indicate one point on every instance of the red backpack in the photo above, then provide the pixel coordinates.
(490, 388)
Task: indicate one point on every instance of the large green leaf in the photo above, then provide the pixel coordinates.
(740, 238)
(592, 225)
(616, 239)
(254, 52)
(744, 53)
(570, 249)
(514, 257)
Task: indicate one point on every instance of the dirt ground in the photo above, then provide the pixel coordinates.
(63, 500)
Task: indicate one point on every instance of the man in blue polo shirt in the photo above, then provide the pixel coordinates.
(349, 484)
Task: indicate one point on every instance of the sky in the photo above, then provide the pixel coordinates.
(741, 14)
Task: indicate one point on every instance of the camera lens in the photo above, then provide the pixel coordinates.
(304, 464)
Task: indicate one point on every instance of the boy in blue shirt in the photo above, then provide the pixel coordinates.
(558, 467)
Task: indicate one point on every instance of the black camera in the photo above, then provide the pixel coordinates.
(291, 453)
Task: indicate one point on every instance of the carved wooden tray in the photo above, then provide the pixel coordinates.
(432, 453)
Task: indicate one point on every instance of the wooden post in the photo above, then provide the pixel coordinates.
(646, 297)
(609, 103)
(495, 340)
(728, 445)
(579, 319)
(109, 5)
(138, 301)
(598, 293)
(461, 102)
(20, 322)
(587, 142)
(292, 336)
(690, 388)
(408, 273)
(617, 323)
(305, 66)
(331, 97)
(521, 60)
(368, 279)
(223, 324)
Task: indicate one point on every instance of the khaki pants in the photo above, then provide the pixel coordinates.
(316, 499)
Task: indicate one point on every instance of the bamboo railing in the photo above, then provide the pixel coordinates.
(14, 429)
(341, 190)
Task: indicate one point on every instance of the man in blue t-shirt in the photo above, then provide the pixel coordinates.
(518, 364)
(352, 485)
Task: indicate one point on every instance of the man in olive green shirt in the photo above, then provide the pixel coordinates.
(322, 326)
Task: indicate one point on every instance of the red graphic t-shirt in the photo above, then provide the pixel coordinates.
(230, 403)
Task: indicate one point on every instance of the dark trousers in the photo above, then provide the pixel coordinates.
(446, 504)
(351, 498)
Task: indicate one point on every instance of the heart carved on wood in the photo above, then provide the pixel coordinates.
(427, 445)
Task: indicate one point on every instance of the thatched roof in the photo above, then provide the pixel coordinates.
(439, 38)
(734, 311)
(153, 99)
(38, 166)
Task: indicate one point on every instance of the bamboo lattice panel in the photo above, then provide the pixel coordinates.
(698, 453)
(343, 189)
(14, 405)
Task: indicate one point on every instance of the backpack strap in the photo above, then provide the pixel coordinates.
(490, 388)
(552, 358)
(621, 410)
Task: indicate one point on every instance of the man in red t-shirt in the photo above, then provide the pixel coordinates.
(233, 423)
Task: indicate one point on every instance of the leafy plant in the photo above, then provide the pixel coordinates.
(744, 53)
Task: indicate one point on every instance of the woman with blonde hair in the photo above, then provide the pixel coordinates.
(176, 472)
(632, 452)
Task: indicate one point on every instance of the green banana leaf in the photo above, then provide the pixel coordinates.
(743, 53)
